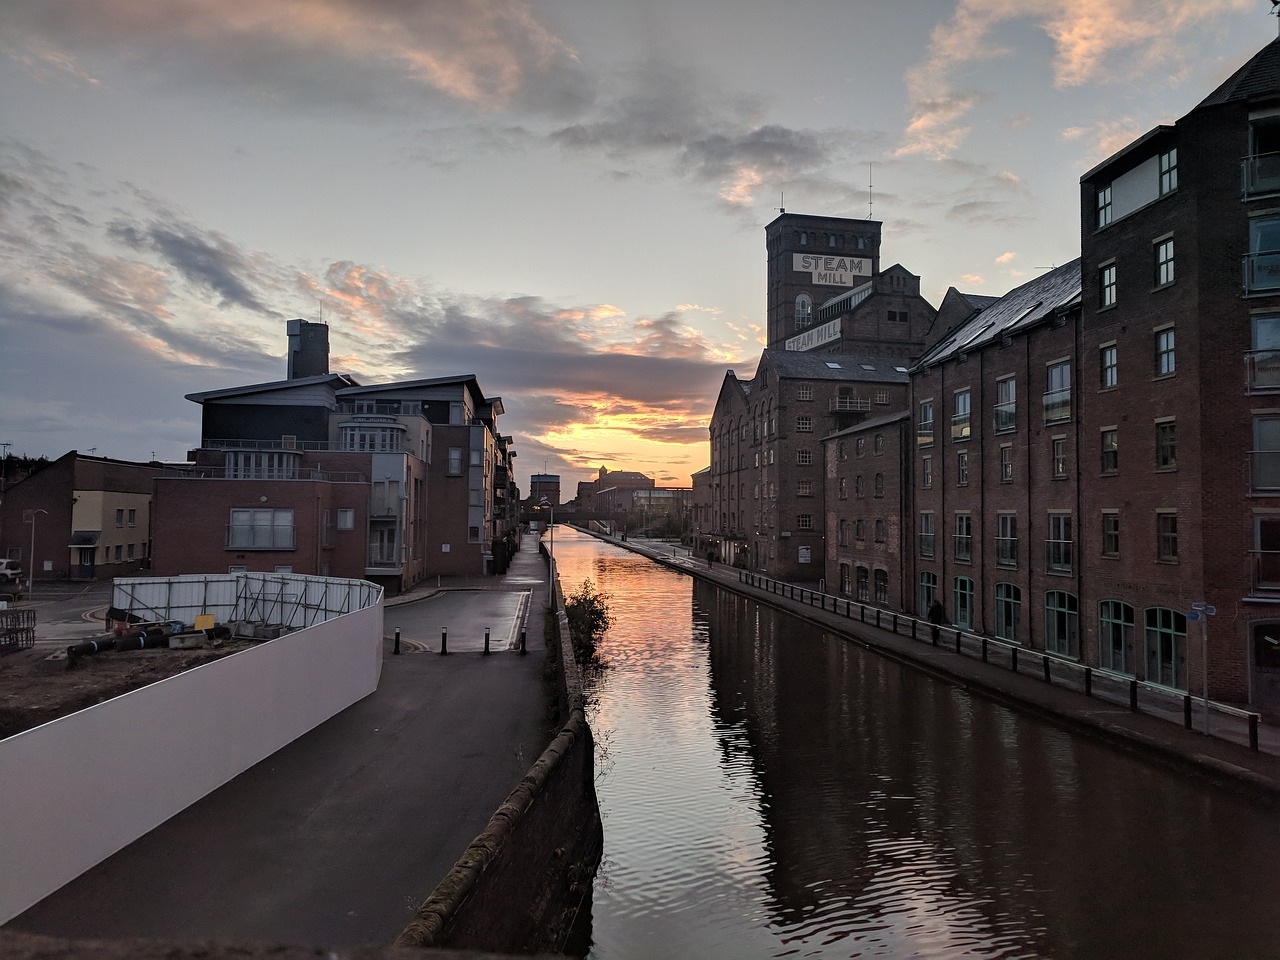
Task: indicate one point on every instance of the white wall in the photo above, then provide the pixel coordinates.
(77, 789)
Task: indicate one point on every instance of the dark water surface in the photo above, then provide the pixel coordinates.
(769, 790)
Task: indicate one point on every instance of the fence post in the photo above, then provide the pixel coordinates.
(1253, 732)
(895, 624)
(396, 648)
(984, 649)
(1044, 660)
(444, 641)
(1013, 659)
(522, 639)
(958, 636)
(1133, 694)
(877, 618)
(1088, 681)
(1186, 710)
(486, 641)
(914, 624)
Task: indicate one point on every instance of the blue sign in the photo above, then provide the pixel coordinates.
(1193, 616)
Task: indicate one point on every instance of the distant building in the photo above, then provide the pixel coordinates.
(544, 486)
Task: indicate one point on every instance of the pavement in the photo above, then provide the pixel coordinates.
(1224, 756)
(336, 839)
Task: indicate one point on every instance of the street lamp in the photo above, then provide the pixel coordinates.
(31, 573)
(551, 547)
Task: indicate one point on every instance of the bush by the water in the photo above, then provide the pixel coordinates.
(589, 618)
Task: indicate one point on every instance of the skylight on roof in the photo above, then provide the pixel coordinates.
(901, 369)
(834, 366)
(867, 366)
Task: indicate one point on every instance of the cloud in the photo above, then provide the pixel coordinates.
(481, 54)
(1007, 257)
(1095, 41)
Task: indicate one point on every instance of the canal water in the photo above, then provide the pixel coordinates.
(770, 790)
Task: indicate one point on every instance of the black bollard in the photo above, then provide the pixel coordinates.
(522, 648)
(486, 641)
(396, 648)
(444, 641)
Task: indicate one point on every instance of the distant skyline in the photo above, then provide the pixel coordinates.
(567, 199)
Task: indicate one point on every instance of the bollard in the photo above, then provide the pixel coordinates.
(1045, 662)
(895, 624)
(444, 641)
(486, 641)
(1133, 694)
(1186, 711)
(522, 647)
(914, 624)
(396, 648)
(1013, 659)
(959, 635)
(1253, 732)
(877, 618)
(984, 649)
(1088, 681)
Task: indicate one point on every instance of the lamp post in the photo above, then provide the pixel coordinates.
(551, 551)
(31, 573)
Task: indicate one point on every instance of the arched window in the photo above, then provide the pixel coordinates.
(1166, 638)
(1115, 636)
(1008, 611)
(864, 592)
(804, 311)
(928, 592)
(882, 586)
(804, 239)
(962, 590)
(1062, 623)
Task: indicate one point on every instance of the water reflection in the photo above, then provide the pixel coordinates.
(770, 790)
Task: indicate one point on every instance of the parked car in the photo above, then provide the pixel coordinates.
(10, 571)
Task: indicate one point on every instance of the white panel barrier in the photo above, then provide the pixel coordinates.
(77, 789)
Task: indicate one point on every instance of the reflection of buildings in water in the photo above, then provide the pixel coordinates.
(868, 806)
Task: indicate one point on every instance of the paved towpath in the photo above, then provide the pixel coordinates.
(336, 839)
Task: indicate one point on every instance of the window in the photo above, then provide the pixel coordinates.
(964, 538)
(1167, 536)
(1111, 533)
(1108, 366)
(841, 452)
(129, 552)
(120, 518)
(924, 426)
(846, 579)
(1059, 543)
(804, 424)
(1264, 358)
(1057, 398)
(879, 486)
(882, 586)
(882, 396)
(118, 552)
(843, 536)
(860, 446)
(1110, 438)
(926, 473)
(473, 534)
(475, 496)
(1006, 405)
(1104, 205)
(862, 583)
(1165, 360)
(960, 420)
(1164, 262)
(1008, 611)
(843, 487)
(927, 593)
(260, 529)
(1265, 456)
(880, 531)
(1115, 636)
(804, 457)
(879, 444)
(804, 521)
(133, 518)
(1059, 458)
(1166, 636)
(926, 536)
(1107, 285)
(962, 469)
(1062, 623)
(1007, 539)
(804, 311)
(804, 488)
(962, 600)
(455, 462)
(1169, 171)
(1166, 445)
(346, 518)
(804, 391)
(1262, 263)
(860, 530)
(1006, 463)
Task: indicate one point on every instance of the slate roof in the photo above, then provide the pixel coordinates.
(340, 381)
(1260, 77)
(1020, 308)
(807, 365)
(871, 424)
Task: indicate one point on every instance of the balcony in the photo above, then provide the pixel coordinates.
(1262, 371)
(1264, 471)
(960, 426)
(1262, 272)
(1260, 174)
(963, 548)
(926, 546)
(1006, 416)
(1007, 551)
(924, 434)
(1058, 555)
(1057, 405)
(848, 405)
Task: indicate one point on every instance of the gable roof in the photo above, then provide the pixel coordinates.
(1020, 308)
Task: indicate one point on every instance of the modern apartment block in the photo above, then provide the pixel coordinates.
(319, 474)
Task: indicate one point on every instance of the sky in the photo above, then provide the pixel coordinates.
(566, 198)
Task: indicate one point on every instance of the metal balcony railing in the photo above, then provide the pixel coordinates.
(1262, 272)
(1264, 470)
(924, 434)
(1006, 416)
(1058, 555)
(963, 547)
(1007, 551)
(848, 405)
(960, 426)
(1057, 405)
(1262, 370)
(1260, 174)
(926, 546)
(259, 537)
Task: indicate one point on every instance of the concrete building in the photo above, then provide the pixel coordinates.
(544, 486)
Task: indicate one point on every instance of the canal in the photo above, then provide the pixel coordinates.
(771, 790)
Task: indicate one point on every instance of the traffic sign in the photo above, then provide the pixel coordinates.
(1193, 616)
(1210, 609)
(1197, 605)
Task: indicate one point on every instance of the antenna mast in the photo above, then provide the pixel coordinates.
(869, 179)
